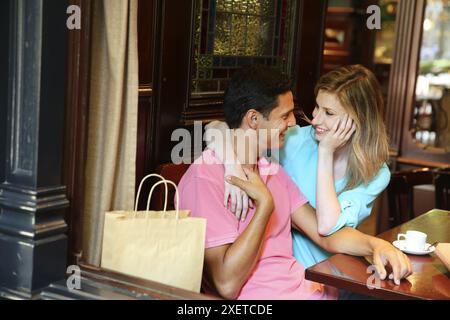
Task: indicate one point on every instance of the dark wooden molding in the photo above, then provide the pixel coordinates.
(148, 26)
(76, 120)
(144, 139)
(33, 243)
(422, 163)
(145, 90)
(117, 286)
(308, 62)
(404, 68)
(146, 36)
(340, 10)
(203, 110)
(20, 205)
(4, 87)
(172, 55)
(363, 47)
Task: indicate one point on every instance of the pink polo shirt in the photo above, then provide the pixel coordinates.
(277, 274)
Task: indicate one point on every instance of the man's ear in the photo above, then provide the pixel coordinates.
(252, 118)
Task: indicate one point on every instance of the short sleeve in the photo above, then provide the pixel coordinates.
(204, 198)
(356, 204)
(296, 197)
(293, 140)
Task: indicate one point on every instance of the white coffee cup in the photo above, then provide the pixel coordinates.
(415, 240)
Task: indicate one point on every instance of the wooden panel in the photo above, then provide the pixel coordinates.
(33, 243)
(203, 110)
(309, 50)
(4, 66)
(364, 39)
(148, 20)
(75, 141)
(171, 75)
(144, 141)
(146, 28)
(404, 68)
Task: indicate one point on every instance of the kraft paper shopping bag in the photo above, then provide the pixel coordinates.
(163, 246)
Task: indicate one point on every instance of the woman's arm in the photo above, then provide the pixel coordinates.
(218, 138)
(353, 242)
(328, 207)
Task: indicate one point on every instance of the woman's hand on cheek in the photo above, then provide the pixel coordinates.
(340, 133)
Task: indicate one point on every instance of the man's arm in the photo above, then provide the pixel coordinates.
(350, 241)
(229, 266)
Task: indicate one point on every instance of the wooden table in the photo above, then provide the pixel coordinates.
(430, 280)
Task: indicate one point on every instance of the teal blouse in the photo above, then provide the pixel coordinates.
(299, 159)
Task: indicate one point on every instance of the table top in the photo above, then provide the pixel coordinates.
(430, 278)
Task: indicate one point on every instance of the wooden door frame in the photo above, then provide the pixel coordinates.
(402, 85)
(76, 126)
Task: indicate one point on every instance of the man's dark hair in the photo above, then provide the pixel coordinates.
(253, 87)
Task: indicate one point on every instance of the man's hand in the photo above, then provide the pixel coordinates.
(254, 187)
(384, 253)
(229, 266)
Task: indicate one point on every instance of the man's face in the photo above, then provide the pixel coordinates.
(272, 131)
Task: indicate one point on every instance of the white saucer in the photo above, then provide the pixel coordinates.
(401, 245)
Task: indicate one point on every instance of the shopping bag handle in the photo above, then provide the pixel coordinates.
(176, 195)
(140, 186)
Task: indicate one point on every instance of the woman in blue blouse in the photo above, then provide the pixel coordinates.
(338, 162)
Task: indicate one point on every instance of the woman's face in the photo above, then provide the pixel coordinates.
(328, 110)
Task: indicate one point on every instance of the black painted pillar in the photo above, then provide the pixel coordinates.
(33, 243)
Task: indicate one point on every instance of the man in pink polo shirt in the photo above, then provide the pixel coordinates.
(253, 259)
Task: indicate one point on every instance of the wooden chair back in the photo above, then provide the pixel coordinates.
(442, 188)
(173, 172)
(401, 193)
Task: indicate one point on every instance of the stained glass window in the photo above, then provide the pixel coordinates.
(233, 33)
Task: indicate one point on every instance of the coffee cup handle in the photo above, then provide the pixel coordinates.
(401, 235)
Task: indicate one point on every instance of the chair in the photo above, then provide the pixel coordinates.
(400, 193)
(173, 172)
(442, 188)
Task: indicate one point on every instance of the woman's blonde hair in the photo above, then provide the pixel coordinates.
(359, 93)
